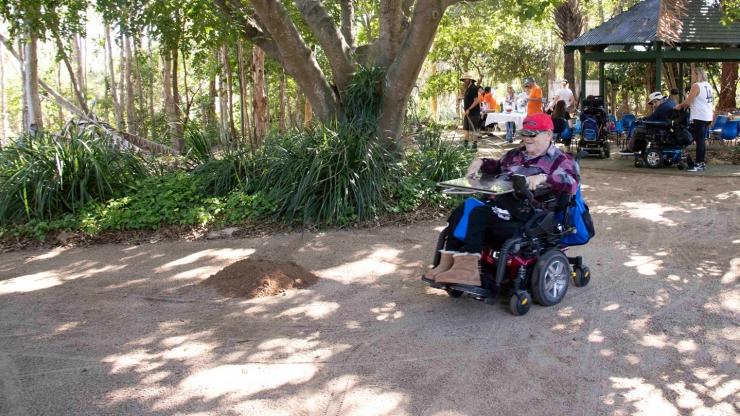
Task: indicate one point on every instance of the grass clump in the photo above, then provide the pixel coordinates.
(46, 176)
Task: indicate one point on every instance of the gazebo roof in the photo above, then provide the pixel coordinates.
(698, 25)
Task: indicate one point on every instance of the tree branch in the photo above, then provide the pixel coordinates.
(249, 28)
(332, 42)
(297, 58)
(348, 21)
(404, 70)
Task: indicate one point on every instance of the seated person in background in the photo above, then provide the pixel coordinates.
(560, 118)
(489, 99)
(503, 215)
(490, 104)
(662, 109)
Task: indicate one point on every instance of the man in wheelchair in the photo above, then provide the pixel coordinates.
(662, 109)
(542, 165)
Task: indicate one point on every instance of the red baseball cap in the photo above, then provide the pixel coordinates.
(536, 123)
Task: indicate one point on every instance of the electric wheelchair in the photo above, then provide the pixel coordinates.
(531, 265)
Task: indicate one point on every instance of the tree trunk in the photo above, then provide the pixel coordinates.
(569, 68)
(282, 125)
(404, 70)
(80, 67)
(112, 74)
(151, 87)
(209, 113)
(230, 90)
(73, 75)
(31, 90)
(243, 93)
(3, 119)
(728, 86)
(173, 120)
(131, 121)
(307, 113)
(177, 116)
(348, 19)
(139, 84)
(223, 100)
(24, 98)
(259, 98)
(59, 86)
(188, 98)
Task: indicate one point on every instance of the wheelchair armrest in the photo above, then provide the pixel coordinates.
(656, 123)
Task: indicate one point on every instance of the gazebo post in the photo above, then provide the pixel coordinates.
(680, 82)
(658, 65)
(583, 76)
(602, 81)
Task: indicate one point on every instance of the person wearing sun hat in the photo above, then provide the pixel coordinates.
(498, 219)
(662, 108)
(471, 108)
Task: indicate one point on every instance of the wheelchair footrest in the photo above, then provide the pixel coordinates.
(472, 290)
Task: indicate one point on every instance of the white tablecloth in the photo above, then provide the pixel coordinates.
(502, 118)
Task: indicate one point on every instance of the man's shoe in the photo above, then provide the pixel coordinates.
(464, 270)
(475, 145)
(698, 167)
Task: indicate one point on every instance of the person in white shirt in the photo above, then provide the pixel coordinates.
(700, 103)
(564, 94)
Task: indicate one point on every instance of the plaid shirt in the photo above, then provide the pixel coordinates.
(562, 172)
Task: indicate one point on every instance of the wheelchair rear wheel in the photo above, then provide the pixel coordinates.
(550, 278)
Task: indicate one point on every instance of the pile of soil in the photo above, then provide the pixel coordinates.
(255, 278)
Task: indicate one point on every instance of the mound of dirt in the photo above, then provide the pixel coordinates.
(255, 278)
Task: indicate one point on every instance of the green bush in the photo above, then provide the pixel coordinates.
(45, 176)
(174, 199)
(328, 175)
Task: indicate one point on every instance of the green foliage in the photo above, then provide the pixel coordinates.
(174, 199)
(330, 175)
(44, 176)
(432, 160)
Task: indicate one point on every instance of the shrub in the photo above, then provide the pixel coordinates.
(45, 176)
(174, 199)
(327, 175)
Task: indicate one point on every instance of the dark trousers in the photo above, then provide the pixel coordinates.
(698, 130)
(484, 226)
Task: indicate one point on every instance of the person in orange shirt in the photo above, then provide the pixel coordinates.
(534, 100)
(490, 100)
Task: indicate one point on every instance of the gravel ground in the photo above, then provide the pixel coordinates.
(127, 329)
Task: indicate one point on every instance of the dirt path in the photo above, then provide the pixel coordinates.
(126, 330)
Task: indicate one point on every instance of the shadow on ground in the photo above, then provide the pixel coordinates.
(128, 330)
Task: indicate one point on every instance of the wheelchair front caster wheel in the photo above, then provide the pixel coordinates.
(639, 163)
(519, 303)
(453, 293)
(681, 166)
(581, 276)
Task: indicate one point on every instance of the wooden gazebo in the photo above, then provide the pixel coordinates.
(659, 31)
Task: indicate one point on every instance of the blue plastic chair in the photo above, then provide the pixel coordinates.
(628, 123)
(730, 131)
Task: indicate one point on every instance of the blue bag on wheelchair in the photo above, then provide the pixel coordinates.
(461, 230)
(590, 129)
(580, 219)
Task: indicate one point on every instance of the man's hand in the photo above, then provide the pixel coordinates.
(535, 180)
(474, 168)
